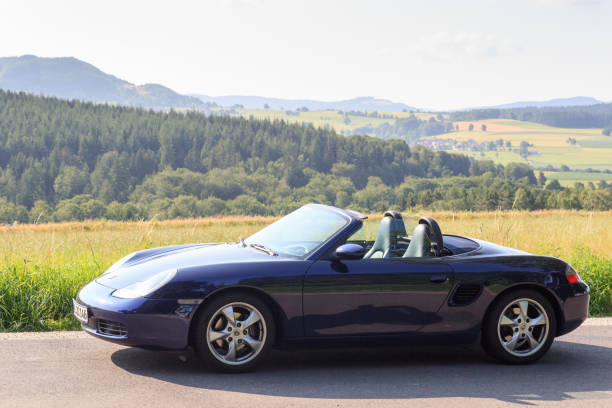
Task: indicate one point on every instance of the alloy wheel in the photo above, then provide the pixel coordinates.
(523, 327)
(236, 333)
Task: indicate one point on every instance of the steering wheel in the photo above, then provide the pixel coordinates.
(435, 234)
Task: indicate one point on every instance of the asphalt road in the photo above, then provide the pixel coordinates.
(73, 369)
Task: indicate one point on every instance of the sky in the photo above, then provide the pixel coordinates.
(432, 54)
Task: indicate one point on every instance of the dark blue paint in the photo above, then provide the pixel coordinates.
(350, 251)
(319, 297)
(373, 296)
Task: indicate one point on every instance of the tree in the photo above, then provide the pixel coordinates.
(295, 177)
(524, 148)
(266, 106)
(520, 172)
(541, 179)
(41, 212)
(554, 185)
(70, 181)
(32, 185)
(111, 177)
(523, 200)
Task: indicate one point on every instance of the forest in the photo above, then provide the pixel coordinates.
(591, 116)
(69, 160)
(408, 129)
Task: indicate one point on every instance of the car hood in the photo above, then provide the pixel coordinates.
(139, 266)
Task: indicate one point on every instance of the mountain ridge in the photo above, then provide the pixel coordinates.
(361, 103)
(550, 103)
(71, 78)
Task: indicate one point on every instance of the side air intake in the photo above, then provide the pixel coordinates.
(465, 294)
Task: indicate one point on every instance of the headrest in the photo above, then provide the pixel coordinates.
(394, 214)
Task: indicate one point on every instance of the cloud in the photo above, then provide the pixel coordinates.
(445, 46)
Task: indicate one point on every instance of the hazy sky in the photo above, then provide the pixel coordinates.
(429, 53)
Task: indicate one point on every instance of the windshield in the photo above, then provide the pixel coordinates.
(300, 232)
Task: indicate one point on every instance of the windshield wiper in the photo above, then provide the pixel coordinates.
(243, 243)
(264, 249)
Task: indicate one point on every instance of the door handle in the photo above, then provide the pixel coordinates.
(438, 279)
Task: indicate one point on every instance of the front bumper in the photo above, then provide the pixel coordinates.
(151, 323)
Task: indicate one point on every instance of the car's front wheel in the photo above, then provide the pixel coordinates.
(234, 332)
(520, 327)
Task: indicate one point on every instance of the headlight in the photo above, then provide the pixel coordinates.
(141, 289)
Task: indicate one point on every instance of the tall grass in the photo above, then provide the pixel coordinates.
(42, 267)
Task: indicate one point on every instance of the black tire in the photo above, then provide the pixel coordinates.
(492, 330)
(211, 309)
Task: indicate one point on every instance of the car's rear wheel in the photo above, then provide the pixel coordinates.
(520, 327)
(234, 332)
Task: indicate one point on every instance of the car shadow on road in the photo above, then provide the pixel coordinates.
(569, 371)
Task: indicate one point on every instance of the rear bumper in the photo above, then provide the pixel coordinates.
(575, 310)
(151, 323)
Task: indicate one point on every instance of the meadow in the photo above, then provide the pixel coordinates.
(569, 178)
(328, 118)
(43, 266)
(550, 144)
(592, 149)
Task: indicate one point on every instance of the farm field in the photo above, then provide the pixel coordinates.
(569, 178)
(43, 266)
(501, 157)
(592, 149)
(327, 118)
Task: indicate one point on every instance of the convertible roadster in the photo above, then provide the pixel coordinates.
(318, 275)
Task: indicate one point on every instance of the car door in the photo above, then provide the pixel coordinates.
(374, 296)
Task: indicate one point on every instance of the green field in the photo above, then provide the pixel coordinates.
(501, 157)
(43, 266)
(569, 178)
(592, 149)
(550, 144)
(327, 118)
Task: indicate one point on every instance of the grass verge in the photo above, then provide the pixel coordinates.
(43, 266)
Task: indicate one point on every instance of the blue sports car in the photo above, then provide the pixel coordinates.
(324, 274)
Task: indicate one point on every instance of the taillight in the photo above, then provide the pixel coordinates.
(572, 276)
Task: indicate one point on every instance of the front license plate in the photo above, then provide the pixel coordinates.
(80, 312)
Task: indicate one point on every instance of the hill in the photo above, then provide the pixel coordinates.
(364, 103)
(385, 125)
(70, 78)
(551, 103)
(576, 117)
(541, 146)
(63, 160)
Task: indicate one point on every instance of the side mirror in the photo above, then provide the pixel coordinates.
(350, 251)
